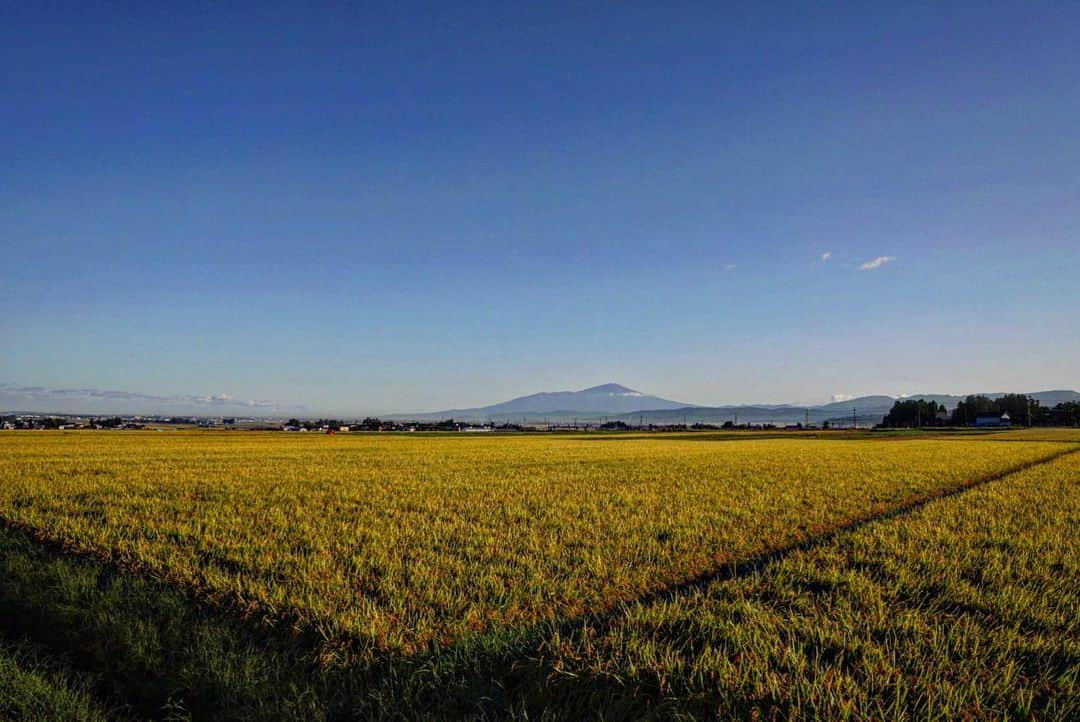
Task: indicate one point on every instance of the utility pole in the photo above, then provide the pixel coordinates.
(853, 424)
(736, 419)
(807, 416)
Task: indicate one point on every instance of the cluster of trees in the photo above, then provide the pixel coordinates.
(372, 423)
(1022, 410)
(53, 422)
(1017, 406)
(916, 413)
(314, 425)
(1065, 414)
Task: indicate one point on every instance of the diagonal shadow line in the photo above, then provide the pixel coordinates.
(748, 566)
(519, 672)
(470, 676)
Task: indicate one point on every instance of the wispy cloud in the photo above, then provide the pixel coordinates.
(841, 397)
(730, 266)
(877, 263)
(826, 256)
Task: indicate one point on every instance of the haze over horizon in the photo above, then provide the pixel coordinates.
(96, 402)
(372, 213)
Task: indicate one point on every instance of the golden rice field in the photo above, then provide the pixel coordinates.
(968, 608)
(668, 573)
(397, 540)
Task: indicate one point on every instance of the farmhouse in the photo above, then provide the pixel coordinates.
(993, 420)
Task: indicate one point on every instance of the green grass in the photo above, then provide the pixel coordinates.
(33, 688)
(153, 645)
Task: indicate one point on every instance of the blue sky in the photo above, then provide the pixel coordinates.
(422, 206)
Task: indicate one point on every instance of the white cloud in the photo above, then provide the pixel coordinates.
(826, 256)
(729, 267)
(877, 263)
(841, 397)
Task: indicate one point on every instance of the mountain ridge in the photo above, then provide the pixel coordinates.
(615, 402)
(609, 398)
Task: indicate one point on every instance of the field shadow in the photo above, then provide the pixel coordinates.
(166, 653)
(528, 683)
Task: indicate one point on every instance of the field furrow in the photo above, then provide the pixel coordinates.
(968, 608)
(396, 543)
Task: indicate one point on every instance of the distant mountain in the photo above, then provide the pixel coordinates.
(607, 399)
(615, 402)
(866, 410)
(93, 401)
(1053, 398)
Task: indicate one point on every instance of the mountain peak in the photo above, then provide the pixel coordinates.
(602, 400)
(609, 389)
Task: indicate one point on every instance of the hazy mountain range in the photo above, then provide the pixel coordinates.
(616, 402)
(608, 401)
(40, 399)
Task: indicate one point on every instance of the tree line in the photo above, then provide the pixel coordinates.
(1023, 410)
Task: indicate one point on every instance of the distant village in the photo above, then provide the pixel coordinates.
(332, 426)
(974, 411)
